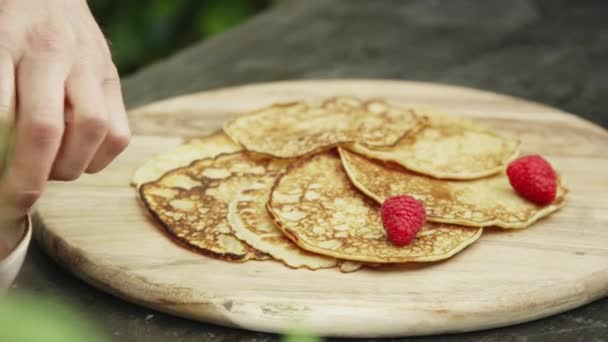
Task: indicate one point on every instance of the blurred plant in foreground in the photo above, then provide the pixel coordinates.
(300, 335)
(29, 317)
(26, 317)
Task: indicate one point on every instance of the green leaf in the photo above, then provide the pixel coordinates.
(220, 15)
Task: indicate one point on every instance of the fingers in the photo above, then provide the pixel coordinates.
(118, 134)
(7, 86)
(39, 123)
(86, 125)
(7, 107)
(7, 104)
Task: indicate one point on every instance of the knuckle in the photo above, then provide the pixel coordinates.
(43, 129)
(7, 38)
(49, 39)
(93, 125)
(118, 142)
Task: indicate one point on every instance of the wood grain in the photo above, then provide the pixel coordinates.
(96, 228)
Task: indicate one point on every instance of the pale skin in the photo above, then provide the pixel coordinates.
(61, 92)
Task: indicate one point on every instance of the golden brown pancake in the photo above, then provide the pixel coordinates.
(296, 129)
(449, 148)
(316, 205)
(192, 202)
(251, 222)
(483, 202)
(184, 154)
(348, 266)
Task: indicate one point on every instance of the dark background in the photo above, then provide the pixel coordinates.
(144, 31)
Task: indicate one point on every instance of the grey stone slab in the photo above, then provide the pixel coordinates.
(560, 61)
(337, 39)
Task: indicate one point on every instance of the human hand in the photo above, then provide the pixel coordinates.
(57, 75)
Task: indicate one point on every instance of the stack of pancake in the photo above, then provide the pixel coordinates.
(303, 182)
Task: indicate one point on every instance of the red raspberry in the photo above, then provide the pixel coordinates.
(533, 178)
(403, 217)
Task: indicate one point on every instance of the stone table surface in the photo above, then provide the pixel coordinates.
(551, 51)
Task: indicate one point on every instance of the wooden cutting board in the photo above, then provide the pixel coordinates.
(96, 229)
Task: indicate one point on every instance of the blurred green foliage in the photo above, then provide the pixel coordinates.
(300, 335)
(141, 32)
(28, 317)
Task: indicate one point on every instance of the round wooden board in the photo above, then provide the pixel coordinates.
(96, 228)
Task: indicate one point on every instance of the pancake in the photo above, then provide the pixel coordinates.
(315, 204)
(483, 202)
(449, 148)
(296, 129)
(348, 266)
(251, 222)
(196, 148)
(191, 202)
